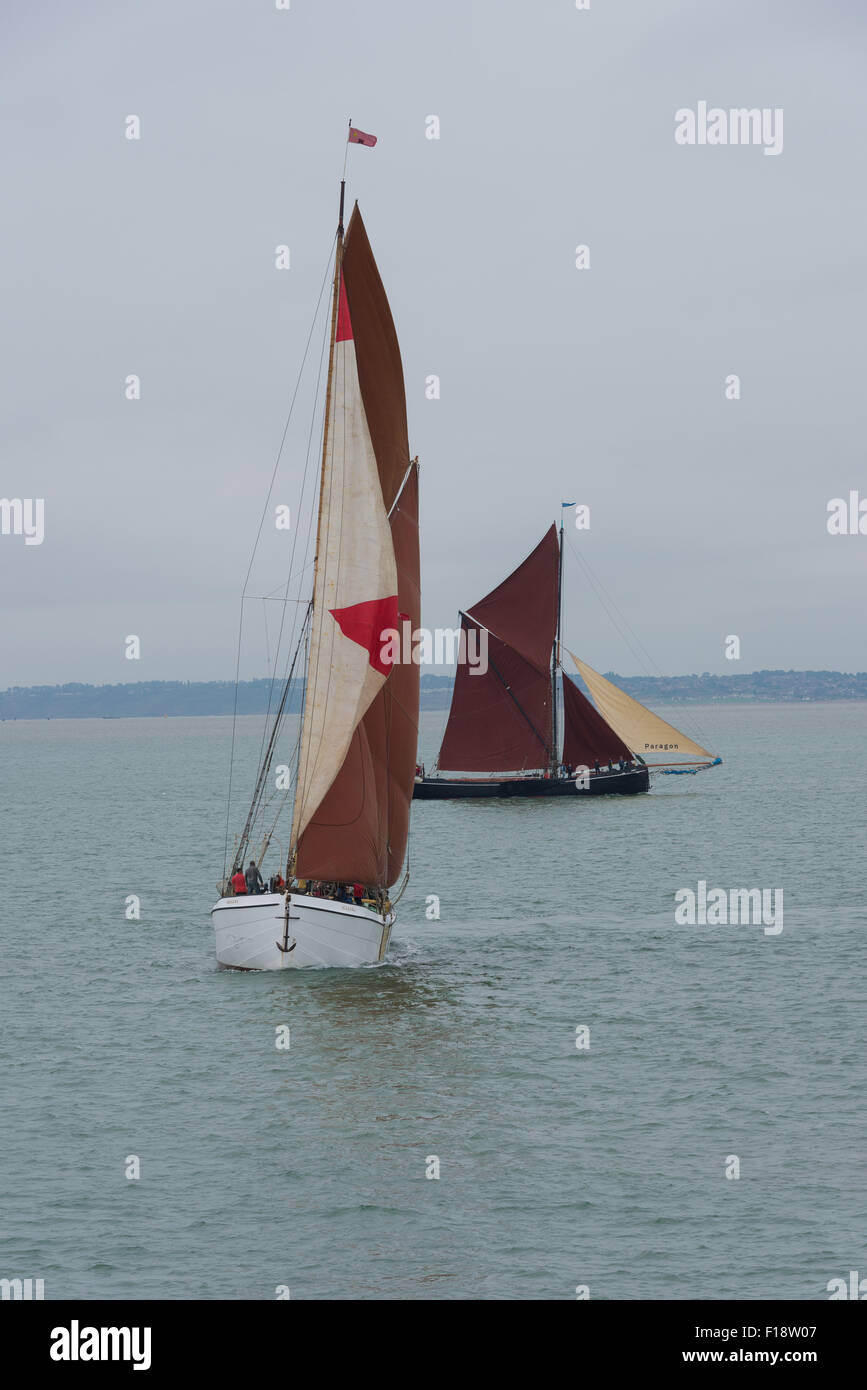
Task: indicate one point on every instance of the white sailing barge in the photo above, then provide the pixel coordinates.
(355, 758)
(276, 931)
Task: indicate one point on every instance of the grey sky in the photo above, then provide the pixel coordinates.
(604, 386)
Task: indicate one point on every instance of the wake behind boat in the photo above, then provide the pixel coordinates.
(502, 737)
(353, 766)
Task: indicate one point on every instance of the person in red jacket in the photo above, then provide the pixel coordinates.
(239, 883)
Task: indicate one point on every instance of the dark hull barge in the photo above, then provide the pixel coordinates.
(629, 783)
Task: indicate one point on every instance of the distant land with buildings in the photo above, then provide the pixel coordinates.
(157, 698)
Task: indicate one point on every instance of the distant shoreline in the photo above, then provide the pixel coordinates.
(119, 718)
(194, 699)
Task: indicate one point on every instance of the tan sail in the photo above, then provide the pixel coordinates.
(641, 730)
(355, 588)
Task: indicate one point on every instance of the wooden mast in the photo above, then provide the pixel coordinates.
(335, 297)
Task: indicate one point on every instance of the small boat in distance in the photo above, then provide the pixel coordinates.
(502, 736)
(354, 761)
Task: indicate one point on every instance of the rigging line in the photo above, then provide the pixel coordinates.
(269, 795)
(279, 797)
(256, 804)
(609, 604)
(295, 533)
(259, 789)
(261, 794)
(272, 794)
(309, 528)
(275, 592)
(253, 555)
(617, 619)
(297, 529)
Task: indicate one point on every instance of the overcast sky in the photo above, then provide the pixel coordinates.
(604, 385)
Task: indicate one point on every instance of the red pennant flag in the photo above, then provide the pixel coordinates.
(358, 137)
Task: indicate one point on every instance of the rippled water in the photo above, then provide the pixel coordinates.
(558, 1167)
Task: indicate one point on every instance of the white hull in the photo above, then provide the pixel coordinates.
(250, 932)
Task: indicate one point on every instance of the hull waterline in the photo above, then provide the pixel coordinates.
(254, 933)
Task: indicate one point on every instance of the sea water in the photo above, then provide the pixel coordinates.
(544, 1089)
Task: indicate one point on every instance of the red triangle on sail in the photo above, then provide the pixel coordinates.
(365, 623)
(344, 322)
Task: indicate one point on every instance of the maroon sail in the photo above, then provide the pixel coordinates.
(361, 827)
(587, 737)
(359, 830)
(380, 372)
(522, 611)
(501, 721)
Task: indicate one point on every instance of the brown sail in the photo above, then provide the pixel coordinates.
(501, 721)
(522, 611)
(359, 829)
(380, 371)
(587, 738)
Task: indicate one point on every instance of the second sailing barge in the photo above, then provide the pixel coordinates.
(502, 736)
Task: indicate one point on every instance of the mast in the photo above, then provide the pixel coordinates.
(555, 652)
(335, 296)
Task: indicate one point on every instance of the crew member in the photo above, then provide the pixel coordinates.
(239, 883)
(253, 878)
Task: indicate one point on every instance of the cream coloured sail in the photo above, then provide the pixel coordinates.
(641, 730)
(355, 588)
